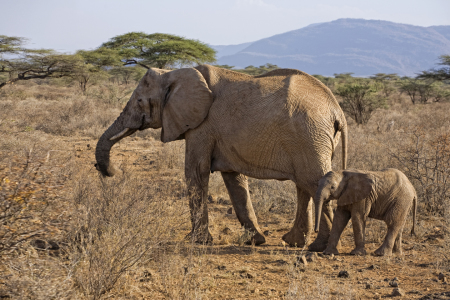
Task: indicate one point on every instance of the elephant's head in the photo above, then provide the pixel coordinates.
(174, 100)
(346, 186)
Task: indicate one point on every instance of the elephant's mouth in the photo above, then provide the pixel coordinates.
(142, 123)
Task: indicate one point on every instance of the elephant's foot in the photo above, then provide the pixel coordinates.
(294, 238)
(200, 237)
(318, 245)
(331, 250)
(383, 251)
(257, 239)
(358, 251)
(397, 250)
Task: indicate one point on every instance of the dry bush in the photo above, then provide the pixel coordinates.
(120, 221)
(62, 114)
(425, 160)
(29, 187)
(110, 93)
(38, 275)
(33, 216)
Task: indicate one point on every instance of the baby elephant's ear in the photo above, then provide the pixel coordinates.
(357, 187)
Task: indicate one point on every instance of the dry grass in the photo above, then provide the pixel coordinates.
(122, 237)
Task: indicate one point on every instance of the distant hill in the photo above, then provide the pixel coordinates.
(364, 47)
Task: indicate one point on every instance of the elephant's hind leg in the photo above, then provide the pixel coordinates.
(389, 241)
(398, 242)
(300, 233)
(237, 186)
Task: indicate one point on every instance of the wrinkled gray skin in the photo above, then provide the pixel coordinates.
(385, 195)
(283, 125)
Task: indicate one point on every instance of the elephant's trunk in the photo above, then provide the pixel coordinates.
(112, 135)
(318, 201)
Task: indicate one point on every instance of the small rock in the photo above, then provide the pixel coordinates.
(223, 201)
(44, 245)
(398, 292)
(369, 286)
(395, 279)
(247, 275)
(211, 199)
(221, 268)
(53, 245)
(312, 256)
(39, 244)
(267, 232)
(230, 211)
(386, 279)
(441, 277)
(393, 283)
(301, 260)
(227, 230)
(280, 262)
(255, 291)
(343, 274)
(373, 267)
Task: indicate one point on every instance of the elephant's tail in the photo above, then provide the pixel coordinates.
(414, 211)
(344, 145)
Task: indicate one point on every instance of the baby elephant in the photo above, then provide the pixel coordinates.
(385, 195)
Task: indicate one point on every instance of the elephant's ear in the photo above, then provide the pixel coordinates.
(188, 100)
(358, 186)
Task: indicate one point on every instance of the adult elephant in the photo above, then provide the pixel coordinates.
(282, 125)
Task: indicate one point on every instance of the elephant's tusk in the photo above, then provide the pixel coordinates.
(120, 134)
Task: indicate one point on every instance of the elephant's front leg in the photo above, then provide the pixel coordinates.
(359, 228)
(340, 221)
(197, 178)
(237, 186)
(301, 231)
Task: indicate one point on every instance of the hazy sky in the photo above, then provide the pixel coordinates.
(69, 25)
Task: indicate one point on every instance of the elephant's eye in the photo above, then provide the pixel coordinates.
(139, 100)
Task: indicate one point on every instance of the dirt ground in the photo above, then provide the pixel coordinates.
(231, 270)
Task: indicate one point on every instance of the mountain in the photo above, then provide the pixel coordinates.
(224, 50)
(364, 47)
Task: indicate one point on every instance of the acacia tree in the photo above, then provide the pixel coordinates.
(359, 99)
(92, 66)
(252, 70)
(20, 63)
(441, 74)
(159, 50)
(386, 81)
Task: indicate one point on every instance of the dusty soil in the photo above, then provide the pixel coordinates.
(230, 270)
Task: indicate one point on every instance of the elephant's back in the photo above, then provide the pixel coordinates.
(396, 184)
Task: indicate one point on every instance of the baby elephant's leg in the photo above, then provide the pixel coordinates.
(359, 228)
(389, 241)
(341, 218)
(398, 242)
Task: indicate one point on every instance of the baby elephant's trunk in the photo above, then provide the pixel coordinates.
(318, 201)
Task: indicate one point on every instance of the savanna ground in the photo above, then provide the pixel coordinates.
(67, 233)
